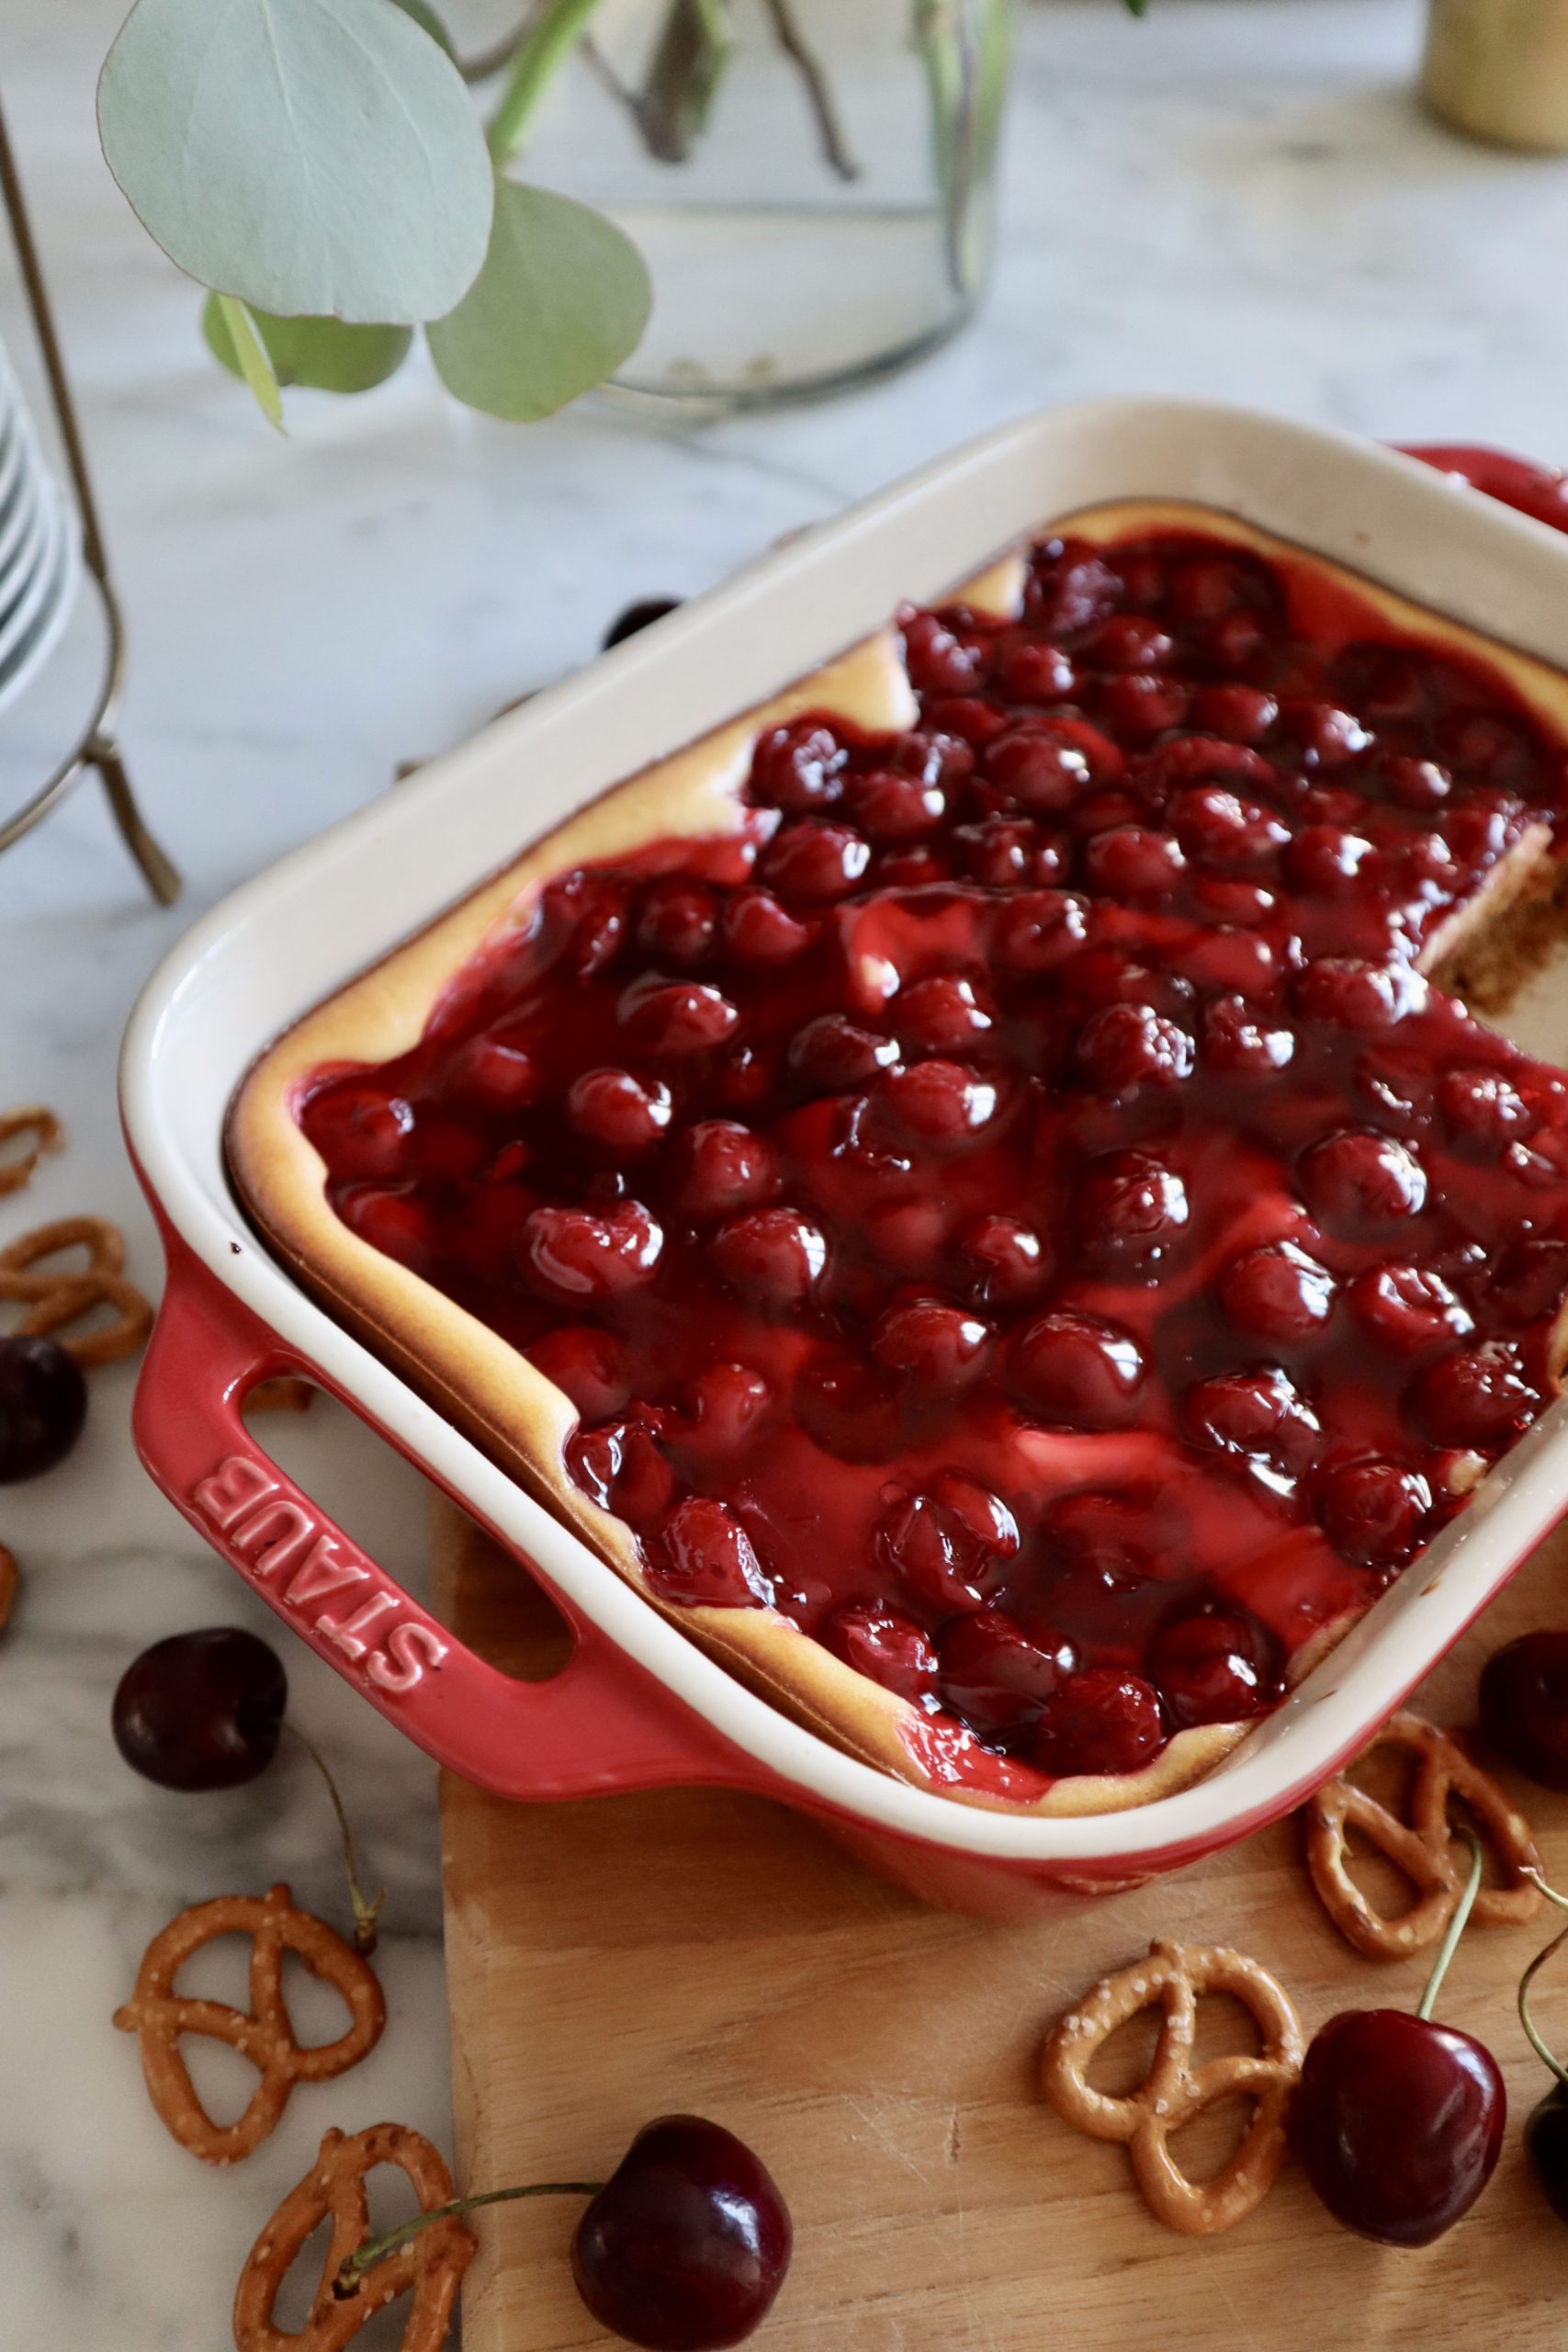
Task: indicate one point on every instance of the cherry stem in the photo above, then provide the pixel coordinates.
(1463, 1910)
(368, 1909)
(354, 2266)
(1528, 1979)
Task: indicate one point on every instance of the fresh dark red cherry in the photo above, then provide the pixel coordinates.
(1398, 2124)
(639, 616)
(687, 2243)
(1397, 2120)
(1523, 1704)
(1545, 2144)
(201, 1710)
(43, 1403)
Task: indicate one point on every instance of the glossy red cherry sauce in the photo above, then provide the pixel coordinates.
(1016, 1207)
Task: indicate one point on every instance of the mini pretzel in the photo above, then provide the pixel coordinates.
(1174, 2092)
(428, 2266)
(264, 2033)
(57, 1296)
(1420, 1848)
(46, 1135)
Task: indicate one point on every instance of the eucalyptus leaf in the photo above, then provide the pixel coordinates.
(431, 23)
(251, 360)
(314, 157)
(322, 353)
(561, 300)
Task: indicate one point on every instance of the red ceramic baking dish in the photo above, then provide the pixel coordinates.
(639, 1704)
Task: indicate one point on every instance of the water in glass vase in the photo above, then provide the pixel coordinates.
(810, 181)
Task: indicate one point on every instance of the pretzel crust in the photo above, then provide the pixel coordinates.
(1420, 1848)
(48, 1135)
(427, 2267)
(1173, 2092)
(57, 1296)
(264, 2033)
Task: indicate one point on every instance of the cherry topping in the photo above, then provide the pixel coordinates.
(950, 1544)
(726, 1168)
(888, 806)
(1372, 1512)
(576, 1254)
(679, 920)
(202, 1710)
(702, 1554)
(797, 766)
(1277, 1292)
(833, 1053)
(1099, 1720)
(1075, 1371)
(612, 1107)
(759, 930)
(589, 1364)
(1123, 1046)
(620, 1466)
(1477, 1395)
(1131, 1208)
(816, 863)
(994, 1676)
(687, 2246)
(43, 1404)
(942, 1015)
(730, 1404)
(1007, 1261)
(935, 1346)
(1210, 1670)
(1242, 1043)
(1254, 1414)
(1408, 1310)
(890, 1648)
(774, 1256)
(943, 1102)
(1523, 1706)
(676, 1017)
(1362, 1183)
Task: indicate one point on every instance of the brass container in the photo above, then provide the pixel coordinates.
(1498, 69)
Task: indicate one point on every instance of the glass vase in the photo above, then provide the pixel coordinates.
(810, 181)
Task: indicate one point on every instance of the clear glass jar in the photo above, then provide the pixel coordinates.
(810, 181)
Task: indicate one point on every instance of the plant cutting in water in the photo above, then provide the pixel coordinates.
(319, 166)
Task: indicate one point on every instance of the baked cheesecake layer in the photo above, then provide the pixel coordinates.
(960, 1184)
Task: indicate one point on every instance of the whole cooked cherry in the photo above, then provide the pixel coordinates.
(1523, 1704)
(202, 1710)
(43, 1403)
(687, 2243)
(1398, 2121)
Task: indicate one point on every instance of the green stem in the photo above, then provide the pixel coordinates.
(367, 1910)
(1463, 1910)
(543, 50)
(1532, 1972)
(354, 2266)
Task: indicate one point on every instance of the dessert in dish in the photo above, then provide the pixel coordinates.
(965, 1185)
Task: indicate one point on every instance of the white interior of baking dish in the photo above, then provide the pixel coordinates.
(287, 939)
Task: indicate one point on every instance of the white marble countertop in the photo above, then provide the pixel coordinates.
(1237, 197)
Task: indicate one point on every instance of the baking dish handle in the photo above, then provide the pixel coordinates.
(602, 1723)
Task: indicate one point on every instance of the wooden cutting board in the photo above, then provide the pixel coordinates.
(614, 1960)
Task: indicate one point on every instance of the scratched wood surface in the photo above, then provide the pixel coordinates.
(614, 1960)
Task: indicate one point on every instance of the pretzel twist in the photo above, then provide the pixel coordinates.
(1174, 2092)
(427, 2267)
(46, 1135)
(264, 2033)
(58, 1295)
(1420, 1848)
